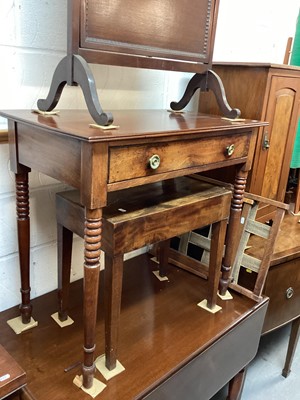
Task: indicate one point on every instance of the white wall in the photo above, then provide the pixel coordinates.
(255, 30)
(33, 40)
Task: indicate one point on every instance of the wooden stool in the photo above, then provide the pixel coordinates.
(137, 217)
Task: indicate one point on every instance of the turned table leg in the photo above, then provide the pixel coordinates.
(23, 225)
(233, 231)
(92, 244)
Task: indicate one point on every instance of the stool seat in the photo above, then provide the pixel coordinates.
(12, 376)
(137, 217)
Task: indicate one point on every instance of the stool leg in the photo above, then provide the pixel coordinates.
(215, 261)
(64, 255)
(234, 231)
(294, 337)
(236, 386)
(113, 275)
(163, 256)
(92, 246)
(23, 224)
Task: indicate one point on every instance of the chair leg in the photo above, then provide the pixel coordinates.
(215, 261)
(113, 275)
(294, 337)
(163, 256)
(236, 386)
(64, 254)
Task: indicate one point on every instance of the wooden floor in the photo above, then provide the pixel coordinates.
(159, 329)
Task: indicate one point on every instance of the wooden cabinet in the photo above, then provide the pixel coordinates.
(283, 288)
(270, 93)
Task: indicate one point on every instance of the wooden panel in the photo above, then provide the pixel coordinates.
(270, 93)
(161, 330)
(178, 30)
(13, 377)
(282, 309)
(245, 89)
(58, 150)
(285, 99)
(145, 220)
(133, 161)
(281, 113)
(193, 378)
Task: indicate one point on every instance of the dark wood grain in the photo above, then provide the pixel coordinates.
(283, 275)
(16, 376)
(161, 330)
(265, 92)
(66, 148)
(134, 218)
(134, 42)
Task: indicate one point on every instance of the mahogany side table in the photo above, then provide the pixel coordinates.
(98, 161)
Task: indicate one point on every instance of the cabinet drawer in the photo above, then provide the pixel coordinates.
(129, 162)
(283, 288)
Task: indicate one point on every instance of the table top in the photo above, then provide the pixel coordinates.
(161, 329)
(131, 123)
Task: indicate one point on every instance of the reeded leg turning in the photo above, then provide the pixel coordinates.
(233, 232)
(92, 244)
(23, 224)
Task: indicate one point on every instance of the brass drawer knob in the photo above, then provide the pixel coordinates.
(289, 292)
(154, 161)
(230, 150)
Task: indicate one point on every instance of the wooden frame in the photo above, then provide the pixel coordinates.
(148, 33)
(147, 37)
(249, 225)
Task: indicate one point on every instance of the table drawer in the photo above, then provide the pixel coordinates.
(132, 161)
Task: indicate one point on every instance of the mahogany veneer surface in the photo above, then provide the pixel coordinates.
(147, 33)
(132, 124)
(16, 375)
(284, 273)
(93, 160)
(161, 329)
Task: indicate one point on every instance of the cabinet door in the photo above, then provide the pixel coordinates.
(276, 142)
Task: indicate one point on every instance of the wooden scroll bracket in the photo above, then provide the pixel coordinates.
(207, 81)
(73, 70)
